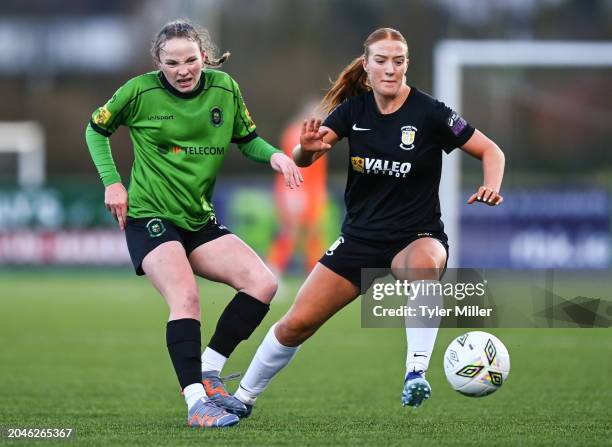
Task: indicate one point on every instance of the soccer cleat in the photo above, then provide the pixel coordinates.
(247, 413)
(216, 392)
(205, 414)
(416, 389)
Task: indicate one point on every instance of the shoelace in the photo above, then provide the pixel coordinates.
(230, 377)
(420, 374)
(210, 409)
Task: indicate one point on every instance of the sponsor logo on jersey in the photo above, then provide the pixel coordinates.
(156, 227)
(160, 117)
(456, 123)
(103, 116)
(251, 123)
(368, 165)
(216, 116)
(408, 134)
(358, 164)
(191, 150)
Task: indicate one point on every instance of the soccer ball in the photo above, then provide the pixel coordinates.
(476, 364)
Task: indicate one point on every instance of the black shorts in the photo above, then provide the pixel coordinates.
(347, 256)
(145, 234)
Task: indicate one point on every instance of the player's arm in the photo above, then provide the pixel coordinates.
(104, 121)
(493, 160)
(315, 141)
(115, 194)
(258, 149)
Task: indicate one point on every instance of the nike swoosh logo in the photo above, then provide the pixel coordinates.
(358, 128)
(418, 355)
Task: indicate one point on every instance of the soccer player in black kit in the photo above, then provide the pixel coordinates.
(396, 137)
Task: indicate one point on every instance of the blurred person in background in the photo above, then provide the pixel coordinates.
(396, 135)
(300, 210)
(182, 119)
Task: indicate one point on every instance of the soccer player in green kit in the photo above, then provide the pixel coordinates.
(182, 119)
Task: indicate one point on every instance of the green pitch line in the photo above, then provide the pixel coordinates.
(88, 351)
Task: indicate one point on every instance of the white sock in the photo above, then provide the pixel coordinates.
(212, 360)
(193, 393)
(270, 358)
(421, 332)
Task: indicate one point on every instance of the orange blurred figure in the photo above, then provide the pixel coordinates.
(301, 209)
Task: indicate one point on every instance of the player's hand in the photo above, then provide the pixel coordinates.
(286, 166)
(311, 137)
(116, 201)
(486, 195)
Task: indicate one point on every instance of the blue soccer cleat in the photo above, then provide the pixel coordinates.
(216, 392)
(205, 414)
(416, 389)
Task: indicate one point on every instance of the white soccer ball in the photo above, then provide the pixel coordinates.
(476, 364)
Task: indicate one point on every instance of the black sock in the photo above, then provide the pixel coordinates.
(237, 322)
(184, 345)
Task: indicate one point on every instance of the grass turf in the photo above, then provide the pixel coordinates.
(88, 351)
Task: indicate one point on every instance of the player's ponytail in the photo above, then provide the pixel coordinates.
(354, 80)
(183, 28)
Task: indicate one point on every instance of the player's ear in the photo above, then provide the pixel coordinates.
(364, 63)
(204, 56)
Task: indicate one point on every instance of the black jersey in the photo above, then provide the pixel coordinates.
(395, 163)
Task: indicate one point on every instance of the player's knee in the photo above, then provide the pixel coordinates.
(262, 286)
(293, 331)
(423, 261)
(423, 265)
(185, 304)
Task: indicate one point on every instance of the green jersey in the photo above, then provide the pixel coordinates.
(180, 141)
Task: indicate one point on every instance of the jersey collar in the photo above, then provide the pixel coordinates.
(387, 116)
(192, 94)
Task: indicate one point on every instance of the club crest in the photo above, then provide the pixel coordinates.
(216, 116)
(408, 135)
(156, 227)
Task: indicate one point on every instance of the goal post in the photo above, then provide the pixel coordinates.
(27, 140)
(450, 59)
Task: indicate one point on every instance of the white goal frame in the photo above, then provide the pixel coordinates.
(452, 56)
(27, 140)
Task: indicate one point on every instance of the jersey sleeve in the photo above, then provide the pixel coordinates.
(116, 112)
(449, 128)
(244, 127)
(339, 120)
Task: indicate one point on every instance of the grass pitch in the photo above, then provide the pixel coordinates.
(88, 351)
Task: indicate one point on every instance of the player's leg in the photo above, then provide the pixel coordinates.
(322, 295)
(229, 260)
(422, 263)
(169, 271)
